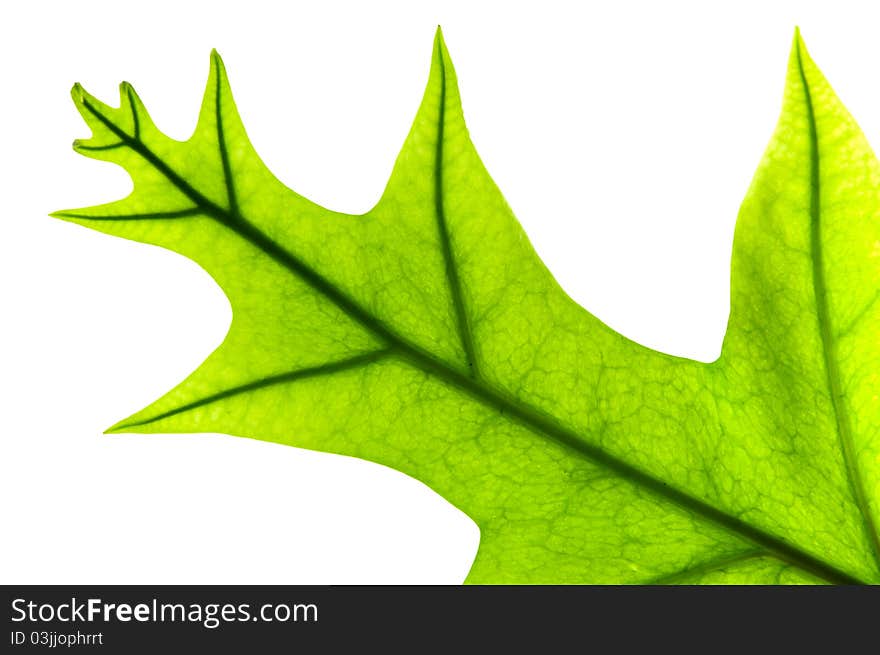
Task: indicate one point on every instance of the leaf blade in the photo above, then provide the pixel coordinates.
(572, 460)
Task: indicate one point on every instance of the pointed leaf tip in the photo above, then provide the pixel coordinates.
(794, 76)
(217, 68)
(127, 93)
(81, 96)
(799, 46)
(439, 41)
(441, 52)
(117, 427)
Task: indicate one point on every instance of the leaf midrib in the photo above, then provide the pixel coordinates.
(826, 332)
(515, 409)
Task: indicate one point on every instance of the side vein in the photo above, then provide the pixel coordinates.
(221, 139)
(829, 345)
(452, 279)
(111, 146)
(182, 213)
(134, 114)
(290, 376)
(716, 564)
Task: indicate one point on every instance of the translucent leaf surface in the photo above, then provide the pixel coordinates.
(428, 336)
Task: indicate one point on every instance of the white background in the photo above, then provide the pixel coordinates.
(623, 134)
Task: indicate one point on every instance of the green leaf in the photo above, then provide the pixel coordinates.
(428, 336)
